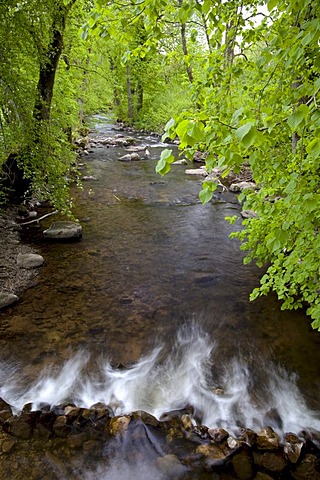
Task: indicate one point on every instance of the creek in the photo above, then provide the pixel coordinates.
(150, 311)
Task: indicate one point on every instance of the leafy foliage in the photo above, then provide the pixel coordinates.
(239, 79)
(253, 99)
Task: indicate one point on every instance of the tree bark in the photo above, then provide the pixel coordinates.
(129, 94)
(185, 47)
(49, 60)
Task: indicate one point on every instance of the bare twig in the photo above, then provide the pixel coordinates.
(37, 220)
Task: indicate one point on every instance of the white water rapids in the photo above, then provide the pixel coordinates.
(161, 382)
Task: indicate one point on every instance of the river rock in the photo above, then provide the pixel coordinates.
(271, 461)
(182, 161)
(267, 439)
(242, 464)
(20, 426)
(117, 141)
(248, 214)
(308, 469)
(238, 187)
(64, 230)
(130, 157)
(7, 299)
(7, 445)
(146, 418)
(186, 422)
(119, 425)
(29, 260)
(218, 434)
(61, 427)
(212, 455)
(293, 446)
(196, 171)
(171, 466)
(5, 411)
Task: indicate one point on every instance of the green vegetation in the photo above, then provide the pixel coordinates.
(237, 80)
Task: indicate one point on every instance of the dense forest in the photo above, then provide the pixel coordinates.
(238, 81)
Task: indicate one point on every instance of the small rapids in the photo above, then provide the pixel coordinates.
(235, 394)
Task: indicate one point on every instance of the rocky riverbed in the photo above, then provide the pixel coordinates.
(14, 278)
(67, 442)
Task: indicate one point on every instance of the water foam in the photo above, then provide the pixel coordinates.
(163, 381)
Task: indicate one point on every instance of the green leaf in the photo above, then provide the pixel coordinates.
(205, 196)
(163, 165)
(313, 148)
(272, 4)
(308, 38)
(206, 193)
(247, 134)
(182, 128)
(195, 131)
(242, 131)
(298, 116)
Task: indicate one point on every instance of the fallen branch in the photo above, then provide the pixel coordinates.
(37, 220)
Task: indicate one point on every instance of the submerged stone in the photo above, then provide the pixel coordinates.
(64, 230)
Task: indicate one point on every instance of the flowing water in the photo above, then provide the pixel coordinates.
(150, 311)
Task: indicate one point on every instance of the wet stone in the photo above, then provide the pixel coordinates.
(267, 439)
(243, 466)
(186, 422)
(308, 469)
(7, 299)
(76, 440)
(7, 445)
(248, 437)
(293, 447)
(72, 412)
(171, 466)
(233, 443)
(146, 418)
(272, 462)
(5, 411)
(91, 447)
(213, 455)
(21, 426)
(262, 476)
(119, 425)
(63, 231)
(61, 428)
(47, 420)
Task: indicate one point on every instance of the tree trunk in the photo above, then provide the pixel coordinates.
(47, 71)
(229, 40)
(185, 47)
(49, 60)
(84, 87)
(139, 96)
(129, 94)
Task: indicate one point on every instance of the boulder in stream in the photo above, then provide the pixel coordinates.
(64, 230)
